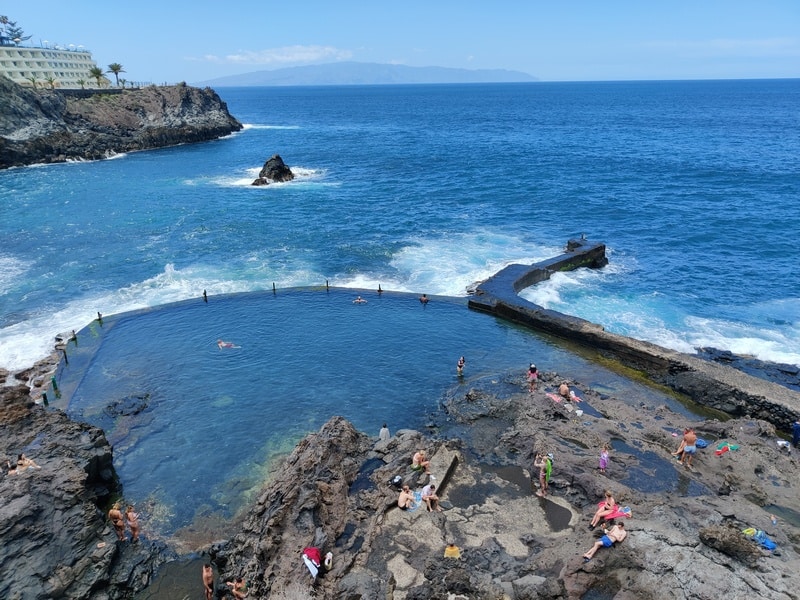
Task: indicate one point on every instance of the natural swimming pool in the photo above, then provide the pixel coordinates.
(211, 419)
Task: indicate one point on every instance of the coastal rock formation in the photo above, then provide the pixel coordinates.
(46, 126)
(685, 537)
(55, 540)
(274, 170)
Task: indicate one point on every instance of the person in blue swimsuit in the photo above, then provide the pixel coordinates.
(613, 536)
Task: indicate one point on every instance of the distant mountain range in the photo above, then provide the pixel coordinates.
(357, 73)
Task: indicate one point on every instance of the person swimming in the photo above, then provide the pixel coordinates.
(222, 344)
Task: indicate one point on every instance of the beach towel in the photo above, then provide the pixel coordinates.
(619, 512)
(724, 447)
(311, 558)
(554, 397)
(417, 501)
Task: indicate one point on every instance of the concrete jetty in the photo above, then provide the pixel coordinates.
(709, 384)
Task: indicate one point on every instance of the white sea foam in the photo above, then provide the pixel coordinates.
(450, 264)
(246, 126)
(302, 175)
(11, 269)
(656, 318)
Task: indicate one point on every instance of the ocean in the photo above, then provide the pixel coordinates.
(692, 186)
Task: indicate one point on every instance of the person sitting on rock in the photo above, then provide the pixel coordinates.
(452, 551)
(614, 535)
(419, 462)
(406, 499)
(608, 506)
(238, 588)
(430, 498)
(563, 390)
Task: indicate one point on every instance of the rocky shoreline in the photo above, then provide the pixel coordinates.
(333, 491)
(48, 126)
(685, 536)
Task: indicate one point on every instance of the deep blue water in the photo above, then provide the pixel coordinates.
(693, 186)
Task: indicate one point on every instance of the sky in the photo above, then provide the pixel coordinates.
(169, 41)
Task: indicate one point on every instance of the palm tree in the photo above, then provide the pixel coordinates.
(51, 81)
(123, 81)
(32, 79)
(116, 69)
(97, 74)
(82, 83)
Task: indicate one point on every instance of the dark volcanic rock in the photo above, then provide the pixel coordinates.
(782, 373)
(274, 170)
(55, 540)
(41, 126)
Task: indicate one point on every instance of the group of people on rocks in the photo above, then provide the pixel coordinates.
(406, 499)
(119, 519)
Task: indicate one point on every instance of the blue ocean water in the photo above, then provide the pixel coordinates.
(692, 186)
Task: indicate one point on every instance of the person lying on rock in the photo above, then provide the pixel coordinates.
(406, 499)
(614, 535)
(430, 498)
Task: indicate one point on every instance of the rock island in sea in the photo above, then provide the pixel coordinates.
(686, 530)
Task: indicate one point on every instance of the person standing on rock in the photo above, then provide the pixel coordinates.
(796, 434)
(689, 448)
(117, 520)
(384, 434)
(533, 377)
(208, 581)
(133, 522)
(545, 465)
(604, 458)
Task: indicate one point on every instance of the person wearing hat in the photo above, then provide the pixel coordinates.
(533, 377)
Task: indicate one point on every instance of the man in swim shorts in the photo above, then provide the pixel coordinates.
(689, 448)
(406, 499)
(614, 535)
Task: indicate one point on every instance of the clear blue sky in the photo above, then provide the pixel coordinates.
(176, 40)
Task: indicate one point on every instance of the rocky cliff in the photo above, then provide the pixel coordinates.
(55, 539)
(46, 126)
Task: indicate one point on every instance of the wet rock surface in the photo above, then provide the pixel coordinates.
(274, 170)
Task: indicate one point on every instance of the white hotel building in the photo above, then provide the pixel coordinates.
(66, 67)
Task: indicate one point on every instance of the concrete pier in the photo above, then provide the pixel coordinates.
(710, 384)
